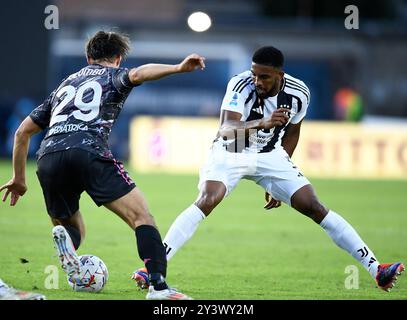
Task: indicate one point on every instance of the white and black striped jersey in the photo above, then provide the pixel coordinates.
(241, 97)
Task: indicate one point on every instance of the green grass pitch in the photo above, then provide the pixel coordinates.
(240, 252)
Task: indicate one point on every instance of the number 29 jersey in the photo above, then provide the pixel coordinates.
(81, 112)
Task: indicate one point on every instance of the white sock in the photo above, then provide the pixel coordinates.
(182, 229)
(347, 238)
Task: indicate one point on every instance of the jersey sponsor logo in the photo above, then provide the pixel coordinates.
(233, 102)
(67, 128)
(260, 138)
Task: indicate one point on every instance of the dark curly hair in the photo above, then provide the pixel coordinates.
(107, 46)
(269, 56)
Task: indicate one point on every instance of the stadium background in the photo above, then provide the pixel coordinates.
(354, 143)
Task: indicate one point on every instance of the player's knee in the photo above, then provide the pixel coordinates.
(207, 202)
(312, 208)
(316, 211)
(135, 219)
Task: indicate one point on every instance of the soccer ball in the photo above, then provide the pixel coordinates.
(92, 277)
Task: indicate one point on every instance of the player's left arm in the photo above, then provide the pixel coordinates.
(291, 137)
(154, 71)
(17, 185)
(289, 143)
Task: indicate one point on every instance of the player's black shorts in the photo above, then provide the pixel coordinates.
(64, 175)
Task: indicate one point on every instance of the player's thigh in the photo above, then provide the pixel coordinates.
(280, 177)
(60, 183)
(132, 208)
(108, 184)
(106, 180)
(223, 167)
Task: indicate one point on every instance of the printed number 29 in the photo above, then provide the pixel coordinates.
(87, 110)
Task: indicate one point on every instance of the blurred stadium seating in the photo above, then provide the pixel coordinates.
(360, 71)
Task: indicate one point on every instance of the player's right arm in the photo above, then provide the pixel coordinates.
(17, 185)
(154, 71)
(231, 122)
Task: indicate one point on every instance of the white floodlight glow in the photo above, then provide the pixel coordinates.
(199, 21)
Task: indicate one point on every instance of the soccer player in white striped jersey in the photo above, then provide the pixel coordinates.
(260, 121)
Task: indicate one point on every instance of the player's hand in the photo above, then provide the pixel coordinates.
(17, 189)
(191, 63)
(271, 202)
(278, 118)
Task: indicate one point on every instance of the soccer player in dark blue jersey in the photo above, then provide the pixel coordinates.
(75, 157)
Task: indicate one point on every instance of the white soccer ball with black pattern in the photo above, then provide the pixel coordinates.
(93, 275)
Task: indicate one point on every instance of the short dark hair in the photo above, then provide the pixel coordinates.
(269, 56)
(107, 46)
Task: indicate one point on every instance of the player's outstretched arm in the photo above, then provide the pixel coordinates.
(153, 71)
(17, 186)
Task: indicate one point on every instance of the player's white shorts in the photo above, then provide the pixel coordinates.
(273, 170)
